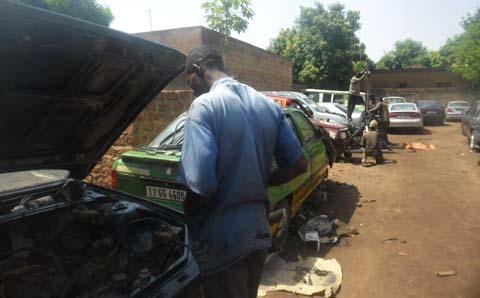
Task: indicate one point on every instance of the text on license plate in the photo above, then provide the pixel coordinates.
(431, 112)
(403, 117)
(165, 193)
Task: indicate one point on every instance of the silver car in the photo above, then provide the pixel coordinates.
(405, 115)
(393, 99)
(455, 110)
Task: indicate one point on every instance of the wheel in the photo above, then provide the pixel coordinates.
(281, 234)
(347, 156)
(472, 142)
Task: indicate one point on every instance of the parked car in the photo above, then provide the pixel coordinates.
(69, 89)
(338, 133)
(405, 115)
(471, 126)
(318, 112)
(432, 111)
(393, 99)
(455, 110)
(340, 109)
(150, 172)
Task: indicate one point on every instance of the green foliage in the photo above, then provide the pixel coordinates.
(462, 53)
(322, 46)
(405, 53)
(88, 10)
(225, 16)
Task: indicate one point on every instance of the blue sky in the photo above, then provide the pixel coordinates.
(383, 21)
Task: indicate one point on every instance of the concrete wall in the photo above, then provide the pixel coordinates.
(443, 95)
(156, 116)
(416, 78)
(249, 64)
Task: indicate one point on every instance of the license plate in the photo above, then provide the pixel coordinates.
(431, 112)
(403, 117)
(165, 193)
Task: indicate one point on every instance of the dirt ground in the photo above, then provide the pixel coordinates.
(429, 201)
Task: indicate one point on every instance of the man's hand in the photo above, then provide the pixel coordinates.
(283, 175)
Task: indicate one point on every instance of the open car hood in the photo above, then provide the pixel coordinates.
(69, 88)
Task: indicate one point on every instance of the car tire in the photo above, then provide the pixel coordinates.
(471, 141)
(347, 156)
(281, 234)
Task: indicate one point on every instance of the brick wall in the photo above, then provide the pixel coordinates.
(148, 124)
(249, 64)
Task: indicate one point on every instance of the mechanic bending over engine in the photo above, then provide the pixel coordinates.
(371, 144)
(232, 134)
(381, 109)
(354, 97)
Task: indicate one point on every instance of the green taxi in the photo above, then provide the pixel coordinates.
(150, 172)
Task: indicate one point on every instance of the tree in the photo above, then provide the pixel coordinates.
(225, 16)
(462, 53)
(322, 46)
(405, 53)
(88, 10)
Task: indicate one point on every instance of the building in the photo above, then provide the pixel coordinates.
(422, 83)
(249, 64)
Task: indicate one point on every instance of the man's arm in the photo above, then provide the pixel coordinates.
(376, 108)
(283, 175)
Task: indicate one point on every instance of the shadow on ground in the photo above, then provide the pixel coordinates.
(341, 204)
(409, 131)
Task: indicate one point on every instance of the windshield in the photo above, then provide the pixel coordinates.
(429, 104)
(394, 100)
(18, 180)
(172, 136)
(459, 104)
(403, 107)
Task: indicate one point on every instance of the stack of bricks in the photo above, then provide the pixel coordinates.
(148, 124)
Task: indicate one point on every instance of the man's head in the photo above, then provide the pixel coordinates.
(201, 61)
(373, 99)
(373, 124)
(359, 74)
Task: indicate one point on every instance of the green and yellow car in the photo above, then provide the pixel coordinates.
(150, 172)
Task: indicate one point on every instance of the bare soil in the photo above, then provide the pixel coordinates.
(427, 204)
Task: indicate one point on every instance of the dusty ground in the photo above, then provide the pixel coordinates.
(429, 200)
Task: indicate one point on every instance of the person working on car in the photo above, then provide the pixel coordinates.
(371, 145)
(232, 134)
(354, 97)
(381, 109)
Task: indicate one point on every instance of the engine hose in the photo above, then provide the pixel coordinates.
(37, 250)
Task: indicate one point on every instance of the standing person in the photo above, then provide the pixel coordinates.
(371, 145)
(354, 97)
(381, 109)
(232, 134)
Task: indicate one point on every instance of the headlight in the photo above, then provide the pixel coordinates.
(343, 135)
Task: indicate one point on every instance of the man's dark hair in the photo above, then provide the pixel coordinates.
(359, 74)
(204, 57)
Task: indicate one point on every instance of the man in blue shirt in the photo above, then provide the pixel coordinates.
(232, 134)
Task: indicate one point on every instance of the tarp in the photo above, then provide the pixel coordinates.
(306, 277)
(418, 146)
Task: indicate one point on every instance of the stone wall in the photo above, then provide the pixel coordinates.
(443, 95)
(148, 124)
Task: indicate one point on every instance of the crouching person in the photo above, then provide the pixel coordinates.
(371, 144)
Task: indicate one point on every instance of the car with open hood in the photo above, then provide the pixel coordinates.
(68, 89)
(151, 172)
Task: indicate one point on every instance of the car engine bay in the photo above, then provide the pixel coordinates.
(101, 247)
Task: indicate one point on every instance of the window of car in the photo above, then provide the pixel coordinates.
(292, 126)
(429, 104)
(306, 128)
(403, 107)
(172, 136)
(458, 104)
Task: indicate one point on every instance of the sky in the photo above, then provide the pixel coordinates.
(383, 21)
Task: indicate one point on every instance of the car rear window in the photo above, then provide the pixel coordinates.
(459, 104)
(429, 104)
(403, 107)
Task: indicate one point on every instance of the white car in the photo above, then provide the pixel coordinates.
(405, 115)
(338, 109)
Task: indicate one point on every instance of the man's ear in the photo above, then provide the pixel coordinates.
(198, 70)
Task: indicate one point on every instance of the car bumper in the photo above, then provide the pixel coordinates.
(406, 122)
(454, 116)
(433, 117)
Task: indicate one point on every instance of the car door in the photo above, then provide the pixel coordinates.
(469, 118)
(314, 152)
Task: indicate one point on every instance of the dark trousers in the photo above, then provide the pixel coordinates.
(383, 129)
(352, 101)
(240, 280)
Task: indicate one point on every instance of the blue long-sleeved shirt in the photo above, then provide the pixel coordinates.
(231, 136)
